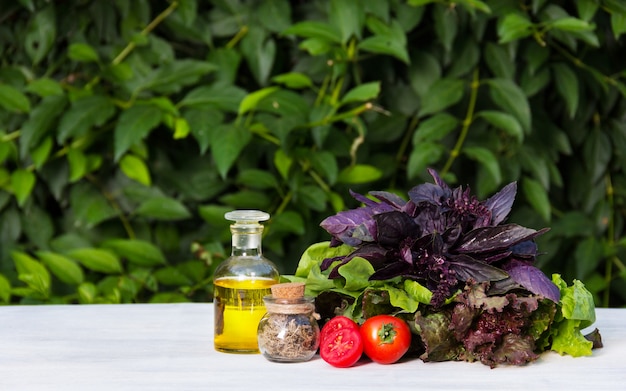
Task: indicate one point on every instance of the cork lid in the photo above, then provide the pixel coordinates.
(288, 290)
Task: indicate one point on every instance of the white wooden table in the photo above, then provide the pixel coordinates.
(170, 347)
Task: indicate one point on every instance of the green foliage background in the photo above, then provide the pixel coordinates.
(128, 129)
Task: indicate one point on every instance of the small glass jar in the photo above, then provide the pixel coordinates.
(288, 332)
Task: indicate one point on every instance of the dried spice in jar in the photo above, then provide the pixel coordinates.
(288, 332)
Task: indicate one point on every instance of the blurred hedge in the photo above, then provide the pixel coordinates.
(128, 128)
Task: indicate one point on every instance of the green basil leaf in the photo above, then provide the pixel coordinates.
(22, 183)
(423, 155)
(133, 125)
(537, 197)
(310, 29)
(362, 93)
(136, 251)
(13, 99)
(385, 44)
(513, 27)
(227, 143)
(435, 128)
(442, 94)
(567, 86)
(359, 173)
(503, 121)
(98, 260)
(82, 52)
(135, 168)
(64, 268)
(487, 159)
(510, 97)
(163, 208)
(41, 34)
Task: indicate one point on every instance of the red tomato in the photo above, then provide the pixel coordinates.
(337, 323)
(385, 338)
(341, 344)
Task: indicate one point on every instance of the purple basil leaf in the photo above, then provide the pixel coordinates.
(527, 249)
(343, 224)
(532, 279)
(500, 204)
(389, 198)
(392, 270)
(393, 227)
(486, 239)
(428, 192)
(438, 179)
(467, 268)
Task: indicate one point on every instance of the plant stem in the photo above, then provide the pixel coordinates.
(467, 122)
(131, 45)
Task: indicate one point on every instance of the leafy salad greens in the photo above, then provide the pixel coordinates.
(448, 264)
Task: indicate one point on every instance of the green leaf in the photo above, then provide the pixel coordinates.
(435, 128)
(347, 17)
(362, 93)
(251, 101)
(78, 164)
(567, 86)
(226, 145)
(89, 207)
(385, 44)
(98, 260)
(313, 197)
(41, 119)
(84, 114)
(618, 25)
(257, 179)
(446, 25)
(32, 272)
(259, 50)
(487, 159)
(424, 71)
(275, 15)
(41, 34)
(87, 293)
(310, 29)
(135, 168)
(295, 80)
(356, 273)
(5, 290)
(537, 197)
(136, 251)
(225, 97)
(442, 94)
(170, 275)
(64, 268)
(37, 225)
(163, 208)
(359, 173)
(13, 99)
(188, 11)
(133, 125)
(173, 76)
(588, 256)
(571, 24)
(22, 183)
(510, 97)
(513, 27)
(82, 52)
(41, 153)
(315, 46)
(45, 87)
(423, 155)
(503, 121)
(587, 9)
(289, 221)
(499, 61)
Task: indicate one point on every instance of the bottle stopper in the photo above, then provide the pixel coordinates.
(288, 290)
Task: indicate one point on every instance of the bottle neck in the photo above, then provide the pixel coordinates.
(246, 242)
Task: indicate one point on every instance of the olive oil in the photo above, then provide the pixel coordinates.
(240, 283)
(239, 307)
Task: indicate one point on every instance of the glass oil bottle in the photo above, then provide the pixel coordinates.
(240, 283)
